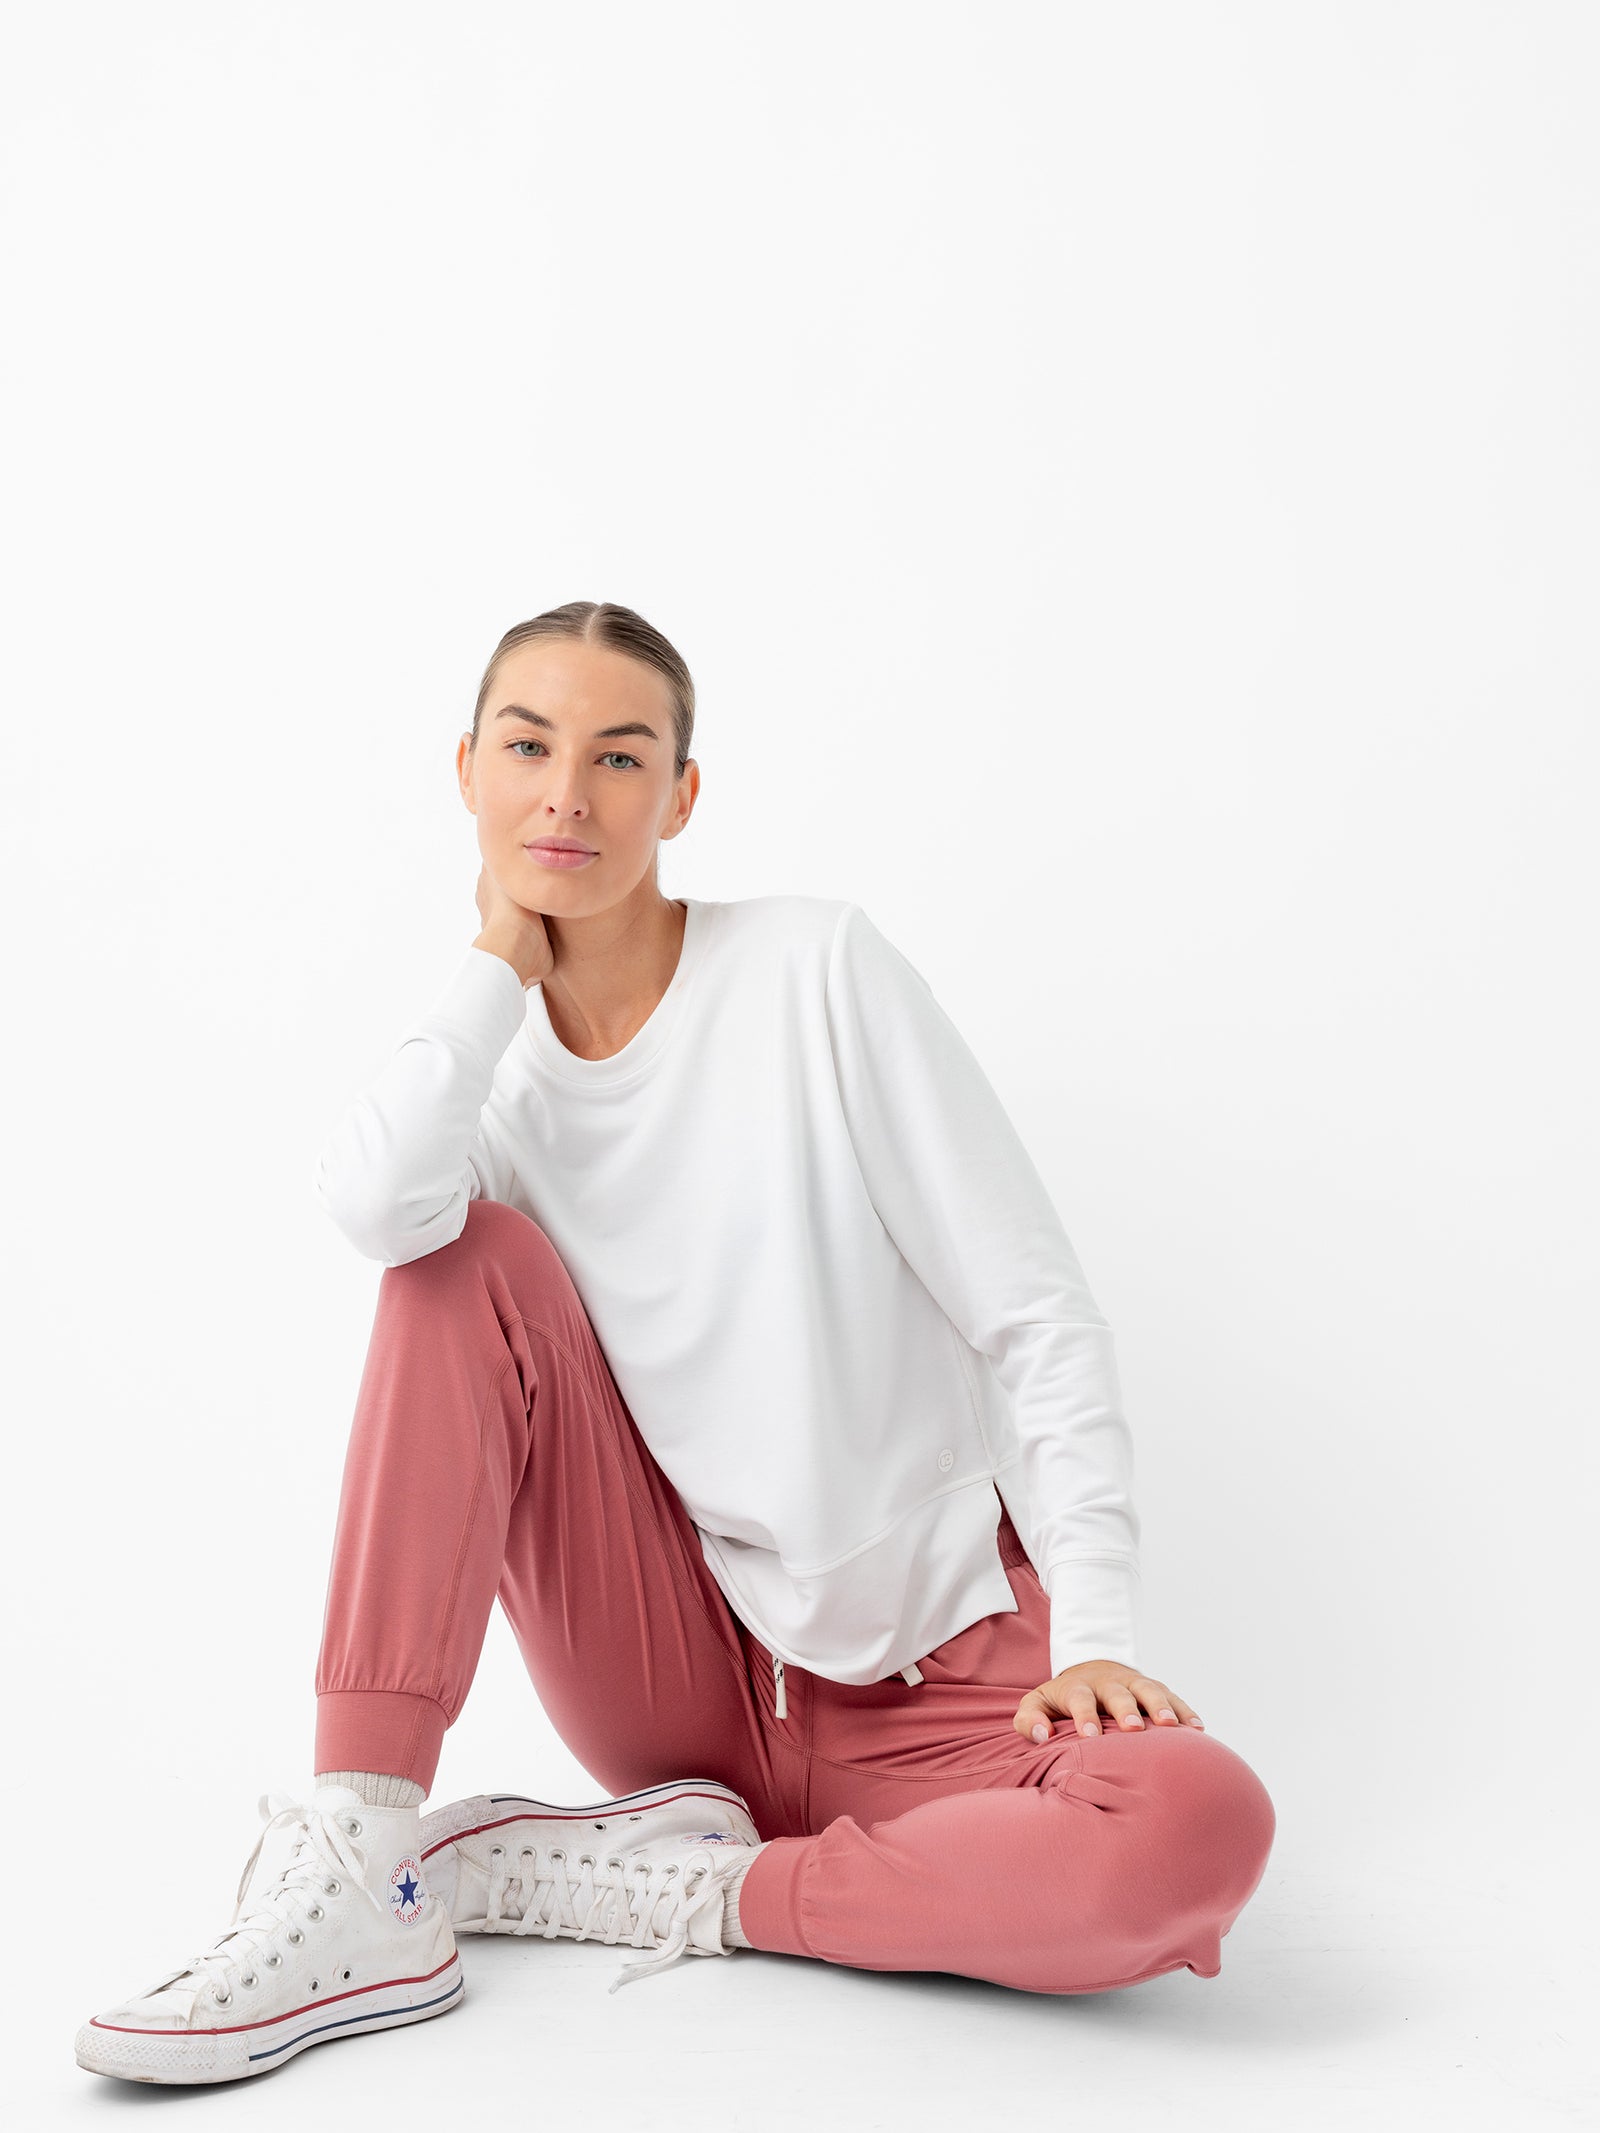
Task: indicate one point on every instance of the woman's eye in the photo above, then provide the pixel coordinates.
(611, 754)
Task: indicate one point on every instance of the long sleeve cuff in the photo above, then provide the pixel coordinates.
(1094, 1610)
(409, 1152)
(486, 997)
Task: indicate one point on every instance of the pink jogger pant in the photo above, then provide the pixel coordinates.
(913, 1827)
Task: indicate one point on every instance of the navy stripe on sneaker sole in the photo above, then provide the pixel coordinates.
(175, 2057)
(233, 2029)
(351, 2022)
(486, 1811)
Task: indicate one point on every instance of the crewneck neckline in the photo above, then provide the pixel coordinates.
(648, 1041)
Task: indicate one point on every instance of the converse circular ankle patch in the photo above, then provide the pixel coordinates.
(406, 1892)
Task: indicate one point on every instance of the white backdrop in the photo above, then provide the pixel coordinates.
(1125, 483)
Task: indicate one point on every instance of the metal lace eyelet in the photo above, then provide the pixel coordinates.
(296, 1936)
(497, 1851)
(249, 1978)
(316, 1912)
(222, 1998)
(586, 1858)
(354, 1828)
(272, 1961)
(614, 1862)
(556, 1852)
(334, 1887)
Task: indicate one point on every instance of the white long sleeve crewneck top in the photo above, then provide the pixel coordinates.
(825, 1273)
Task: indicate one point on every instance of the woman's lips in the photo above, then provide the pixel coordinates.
(550, 856)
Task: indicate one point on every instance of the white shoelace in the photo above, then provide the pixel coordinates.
(322, 1854)
(627, 1902)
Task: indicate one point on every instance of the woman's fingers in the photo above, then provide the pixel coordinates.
(1081, 1701)
(1165, 1708)
(1083, 1707)
(1122, 1706)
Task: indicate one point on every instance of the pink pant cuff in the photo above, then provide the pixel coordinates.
(769, 1896)
(379, 1729)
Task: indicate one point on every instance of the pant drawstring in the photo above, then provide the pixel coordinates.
(912, 1673)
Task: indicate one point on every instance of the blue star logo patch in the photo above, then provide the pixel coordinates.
(406, 1892)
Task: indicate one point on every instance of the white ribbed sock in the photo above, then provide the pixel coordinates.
(732, 1932)
(375, 1788)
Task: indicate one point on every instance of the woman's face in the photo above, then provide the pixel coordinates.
(576, 742)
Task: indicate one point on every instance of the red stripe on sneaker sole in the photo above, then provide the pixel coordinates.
(373, 2014)
(542, 1811)
(391, 1984)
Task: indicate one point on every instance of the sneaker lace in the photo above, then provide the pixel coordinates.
(323, 1852)
(631, 1901)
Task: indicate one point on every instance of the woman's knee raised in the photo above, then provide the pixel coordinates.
(495, 1240)
(501, 1222)
(503, 1234)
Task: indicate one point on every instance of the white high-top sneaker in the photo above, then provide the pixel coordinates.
(646, 1870)
(335, 1932)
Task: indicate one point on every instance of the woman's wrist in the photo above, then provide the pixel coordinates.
(494, 941)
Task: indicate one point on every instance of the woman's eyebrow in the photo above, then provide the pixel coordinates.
(606, 733)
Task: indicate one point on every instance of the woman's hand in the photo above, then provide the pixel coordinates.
(513, 932)
(1079, 1692)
